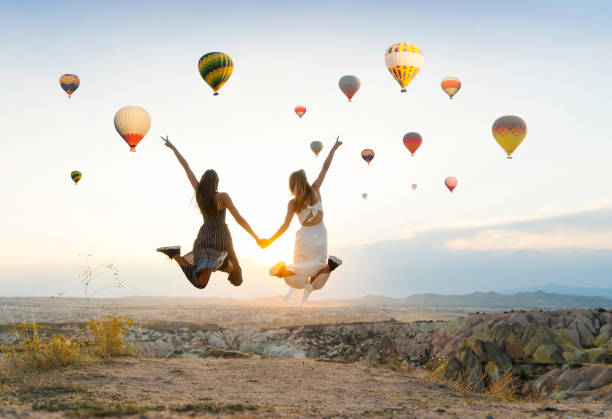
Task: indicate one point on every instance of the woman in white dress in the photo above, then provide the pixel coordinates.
(311, 266)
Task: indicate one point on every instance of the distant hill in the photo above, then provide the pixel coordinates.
(488, 300)
(555, 288)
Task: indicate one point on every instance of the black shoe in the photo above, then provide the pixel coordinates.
(333, 262)
(170, 251)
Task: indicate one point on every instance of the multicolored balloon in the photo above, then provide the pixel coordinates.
(76, 176)
(414, 186)
(509, 132)
(364, 195)
(404, 60)
(316, 147)
(215, 68)
(367, 155)
(349, 86)
(451, 86)
(132, 123)
(413, 141)
(69, 83)
(451, 183)
(300, 110)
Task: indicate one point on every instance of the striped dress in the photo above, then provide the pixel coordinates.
(212, 249)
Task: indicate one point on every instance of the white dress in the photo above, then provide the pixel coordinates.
(309, 257)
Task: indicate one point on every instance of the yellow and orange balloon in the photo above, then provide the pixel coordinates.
(132, 123)
(509, 131)
(404, 61)
(451, 86)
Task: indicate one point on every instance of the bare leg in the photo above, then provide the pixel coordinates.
(181, 261)
(324, 270)
(204, 277)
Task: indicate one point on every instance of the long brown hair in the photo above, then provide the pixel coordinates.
(301, 189)
(205, 192)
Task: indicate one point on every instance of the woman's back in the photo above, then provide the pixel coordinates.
(312, 212)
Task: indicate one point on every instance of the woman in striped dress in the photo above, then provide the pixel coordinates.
(213, 249)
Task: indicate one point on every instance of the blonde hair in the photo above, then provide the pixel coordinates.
(300, 188)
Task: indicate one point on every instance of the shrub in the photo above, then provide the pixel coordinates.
(109, 336)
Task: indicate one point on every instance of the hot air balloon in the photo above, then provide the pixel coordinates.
(367, 155)
(69, 83)
(349, 86)
(76, 176)
(451, 86)
(364, 195)
(132, 123)
(300, 110)
(450, 182)
(316, 147)
(414, 186)
(413, 141)
(404, 60)
(215, 68)
(509, 132)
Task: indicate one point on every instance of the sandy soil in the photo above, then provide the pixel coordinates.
(283, 388)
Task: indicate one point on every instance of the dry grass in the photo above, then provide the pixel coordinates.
(38, 354)
(504, 388)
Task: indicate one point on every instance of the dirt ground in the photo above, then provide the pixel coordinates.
(245, 388)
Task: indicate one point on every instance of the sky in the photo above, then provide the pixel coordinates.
(545, 61)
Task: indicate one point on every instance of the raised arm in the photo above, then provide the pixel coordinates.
(284, 226)
(192, 179)
(319, 181)
(227, 203)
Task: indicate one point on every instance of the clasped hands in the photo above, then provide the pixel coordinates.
(263, 243)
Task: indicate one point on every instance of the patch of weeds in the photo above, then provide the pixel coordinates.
(215, 408)
(84, 409)
(43, 392)
(523, 374)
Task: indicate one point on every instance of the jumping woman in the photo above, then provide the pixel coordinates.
(213, 249)
(311, 266)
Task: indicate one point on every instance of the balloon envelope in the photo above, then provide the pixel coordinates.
(69, 83)
(404, 60)
(215, 68)
(367, 155)
(316, 147)
(349, 86)
(414, 186)
(364, 195)
(76, 176)
(450, 182)
(509, 132)
(451, 86)
(132, 123)
(413, 141)
(300, 110)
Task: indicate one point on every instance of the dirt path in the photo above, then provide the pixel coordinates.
(282, 388)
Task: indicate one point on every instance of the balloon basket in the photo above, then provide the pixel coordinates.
(509, 157)
(403, 90)
(132, 149)
(216, 94)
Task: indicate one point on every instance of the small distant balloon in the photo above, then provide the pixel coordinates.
(451, 183)
(349, 86)
(215, 68)
(367, 155)
(132, 123)
(300, 110)
(509, 132)
(69, 83)
(404, 60)
(414, 186)
(413, 141)
(364, 195)
(451, 86)
(316, 147)
(76, 176)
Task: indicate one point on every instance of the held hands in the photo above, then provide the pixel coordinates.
(263, 243)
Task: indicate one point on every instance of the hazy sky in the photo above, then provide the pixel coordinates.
(547, 62)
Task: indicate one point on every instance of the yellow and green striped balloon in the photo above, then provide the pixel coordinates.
(76, 176)
(215, 68)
